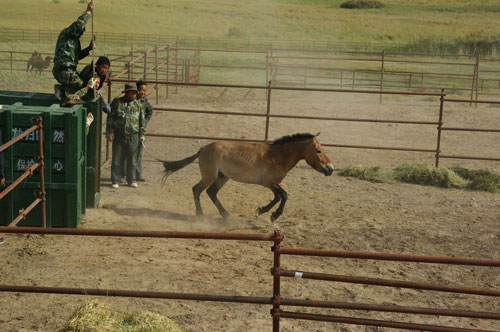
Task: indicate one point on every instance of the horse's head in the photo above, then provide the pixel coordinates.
(316, 158)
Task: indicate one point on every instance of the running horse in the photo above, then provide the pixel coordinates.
(266, 164)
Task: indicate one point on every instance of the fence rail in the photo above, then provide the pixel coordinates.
(268, 116)
(277, 301)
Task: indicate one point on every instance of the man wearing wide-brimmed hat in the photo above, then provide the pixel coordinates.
(125, 126)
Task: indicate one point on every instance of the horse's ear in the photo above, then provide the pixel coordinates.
(317, 134)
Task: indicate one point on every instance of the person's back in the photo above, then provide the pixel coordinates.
(67, 54)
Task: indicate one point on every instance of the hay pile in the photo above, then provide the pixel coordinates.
(96, 317)
(372, 174)
(456, 177)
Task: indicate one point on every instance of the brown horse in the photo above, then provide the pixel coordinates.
(258, 163)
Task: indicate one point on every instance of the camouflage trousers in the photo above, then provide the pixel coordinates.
(69, 78)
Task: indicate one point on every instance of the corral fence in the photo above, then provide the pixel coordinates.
(146, 40)
(472, 75)
(268, 116)
(29, 169)
(276, 300)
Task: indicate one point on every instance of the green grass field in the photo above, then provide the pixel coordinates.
(420, 22)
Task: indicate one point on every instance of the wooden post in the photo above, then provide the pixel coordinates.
(382, 76)
(11, 61)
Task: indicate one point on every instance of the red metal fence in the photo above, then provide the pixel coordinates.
(278, 272)
(40, 163)
(439, 122)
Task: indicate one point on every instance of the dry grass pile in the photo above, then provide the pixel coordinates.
(429, 176)
(372, 174)
(483, 179)
(426, 175)
(96, 317)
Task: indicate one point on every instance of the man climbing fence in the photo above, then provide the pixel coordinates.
(67, 55)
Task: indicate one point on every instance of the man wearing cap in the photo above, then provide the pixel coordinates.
(67, 54)
(125, 127)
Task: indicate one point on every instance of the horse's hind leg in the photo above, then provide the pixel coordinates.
(280, 208)
(276, 199)
(214, 189)
(208, 176)
(197, 190)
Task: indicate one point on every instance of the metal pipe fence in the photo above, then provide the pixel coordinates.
(277, 271)
(40, 163)
(268, 115)
(277, 301)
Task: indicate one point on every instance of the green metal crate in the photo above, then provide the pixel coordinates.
(65, 170)
(93, 155)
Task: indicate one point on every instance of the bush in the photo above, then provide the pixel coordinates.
(56, 1)
(360, 4)
(234, 32)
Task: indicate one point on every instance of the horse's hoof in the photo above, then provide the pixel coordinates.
(273, 217)
(258, 211)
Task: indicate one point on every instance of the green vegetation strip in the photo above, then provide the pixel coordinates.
(96, 317)
(416, 173)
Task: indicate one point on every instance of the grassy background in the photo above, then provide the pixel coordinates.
(401, 21)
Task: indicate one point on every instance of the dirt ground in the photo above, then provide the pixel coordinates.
(322, 212)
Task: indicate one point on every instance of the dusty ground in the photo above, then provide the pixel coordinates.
(322, 212)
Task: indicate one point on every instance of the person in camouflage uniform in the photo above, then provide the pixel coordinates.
(148, 113)
(67, 55)
(125, 127)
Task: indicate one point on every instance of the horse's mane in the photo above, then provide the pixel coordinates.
(292, 138)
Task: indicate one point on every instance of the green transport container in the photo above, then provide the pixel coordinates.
(93, 154)
(64, 143)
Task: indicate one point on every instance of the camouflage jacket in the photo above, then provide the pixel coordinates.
(146, 108)
(126, 118)
(68, 49)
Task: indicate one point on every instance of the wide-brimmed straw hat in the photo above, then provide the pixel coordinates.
(129, 87)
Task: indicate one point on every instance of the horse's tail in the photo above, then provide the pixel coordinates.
(174, 166)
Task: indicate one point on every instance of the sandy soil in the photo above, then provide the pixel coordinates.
(322, 212)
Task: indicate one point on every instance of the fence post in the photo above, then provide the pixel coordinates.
(275, 311)
(109, 102)
(145, 65)
(440, 126)
(382, 76)
(156, 73)
(168, 68)
(477, 75)
(474, 79)
(268, 111)
(130, 68)
(41, 159)
(341, 78)
(11, 61)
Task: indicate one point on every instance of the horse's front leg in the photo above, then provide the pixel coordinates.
(272, 203)
(280, 208)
